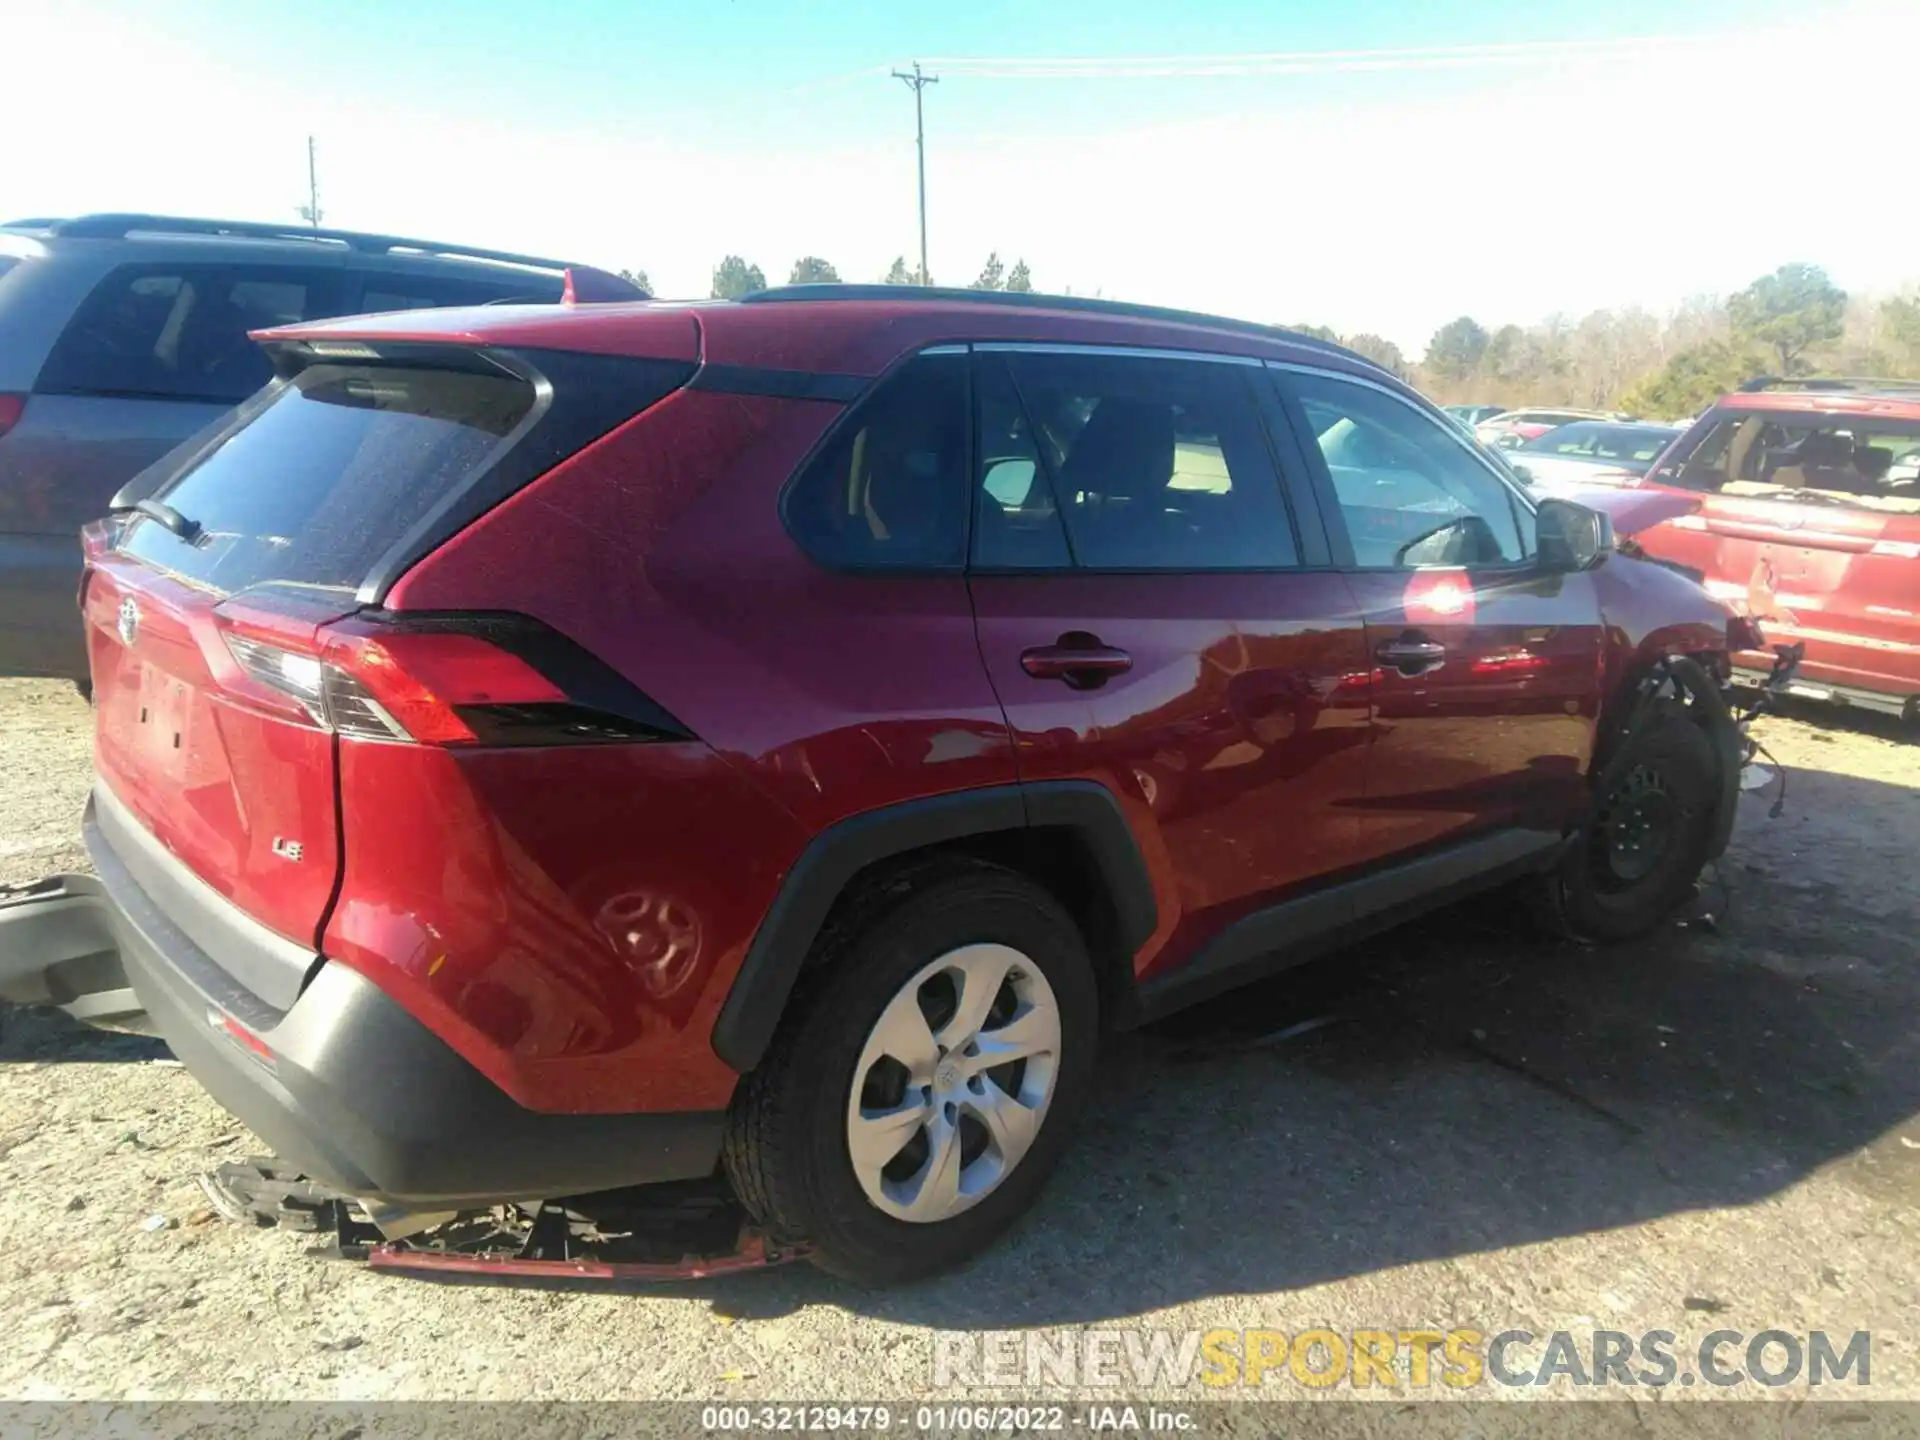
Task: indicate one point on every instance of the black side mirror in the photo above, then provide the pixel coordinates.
(1573, 537)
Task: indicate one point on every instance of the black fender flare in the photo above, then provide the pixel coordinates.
(753, 1007)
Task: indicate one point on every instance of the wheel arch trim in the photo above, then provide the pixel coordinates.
(835, 857)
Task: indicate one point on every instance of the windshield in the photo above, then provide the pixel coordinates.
(1871, 463)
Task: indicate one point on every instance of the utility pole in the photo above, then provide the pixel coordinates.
(917, 82)
(310, 212)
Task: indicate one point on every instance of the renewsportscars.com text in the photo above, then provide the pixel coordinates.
(1414, 1359)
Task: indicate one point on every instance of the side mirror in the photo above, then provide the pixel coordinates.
(1572, 537)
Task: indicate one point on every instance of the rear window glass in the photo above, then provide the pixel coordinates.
(382, 293)
(179, 332)
(1867, 462)
(1602, 442)
(330, 473)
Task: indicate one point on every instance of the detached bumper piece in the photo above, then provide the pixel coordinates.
(688, 1230)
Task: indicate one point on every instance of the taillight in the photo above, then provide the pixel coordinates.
(12, 407)
(440, 686)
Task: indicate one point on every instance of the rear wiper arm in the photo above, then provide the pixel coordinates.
(162, 513)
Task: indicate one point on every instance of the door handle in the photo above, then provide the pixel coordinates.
(1412, 654)
(1080, 660)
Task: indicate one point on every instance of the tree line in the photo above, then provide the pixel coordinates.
(736, 276)
(1792, 322)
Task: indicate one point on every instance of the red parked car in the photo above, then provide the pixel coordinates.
(1810, 523)
(547, 750)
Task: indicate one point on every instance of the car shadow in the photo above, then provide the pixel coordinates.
(39, 1034)
(1466, 1085)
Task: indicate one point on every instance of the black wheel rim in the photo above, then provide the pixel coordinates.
(1636, 829)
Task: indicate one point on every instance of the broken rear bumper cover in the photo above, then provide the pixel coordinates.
(344, 1083)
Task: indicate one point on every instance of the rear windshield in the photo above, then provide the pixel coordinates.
(331, 472)
(1866, 462)
(1587, 441)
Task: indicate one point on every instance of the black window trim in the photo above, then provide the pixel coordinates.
(1283, 475)
(1329, 498)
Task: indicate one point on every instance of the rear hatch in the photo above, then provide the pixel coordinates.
(1811, 522)
(222, 681)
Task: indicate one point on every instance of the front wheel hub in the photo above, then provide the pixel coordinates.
(1636, 827)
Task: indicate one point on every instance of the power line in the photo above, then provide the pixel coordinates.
(1298, 62)
(918, 83)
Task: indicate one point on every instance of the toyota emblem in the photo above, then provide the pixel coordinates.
(129, 621)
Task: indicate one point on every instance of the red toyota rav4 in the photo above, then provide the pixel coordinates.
(547, 750)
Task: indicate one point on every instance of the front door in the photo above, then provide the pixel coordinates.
(1487, 672)
(1149, 624)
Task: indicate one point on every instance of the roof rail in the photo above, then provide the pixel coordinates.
(115, 226)
(1033, 300)
(1828, 382)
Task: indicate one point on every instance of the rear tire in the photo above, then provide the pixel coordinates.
(1639, 859)
(903, 974)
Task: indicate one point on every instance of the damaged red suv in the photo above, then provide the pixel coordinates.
(544, 750)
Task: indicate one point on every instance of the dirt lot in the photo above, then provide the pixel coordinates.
(1715, 1130)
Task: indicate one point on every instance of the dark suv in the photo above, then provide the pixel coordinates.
(548, 750)
(123, 335)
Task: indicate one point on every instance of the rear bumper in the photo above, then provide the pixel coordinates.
(1828, 673)
(356, 1092)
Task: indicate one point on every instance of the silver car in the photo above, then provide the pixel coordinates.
(123, 335)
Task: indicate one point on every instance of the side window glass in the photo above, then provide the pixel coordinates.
(1154, 464)
(1016, 524)
(889, 491)
(383, 293)
(179, 332)
(1410, 493)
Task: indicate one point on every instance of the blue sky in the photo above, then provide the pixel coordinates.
(1504, 160)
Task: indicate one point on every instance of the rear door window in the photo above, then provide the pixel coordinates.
(331, 472)
(179, 332)
(1126, 463)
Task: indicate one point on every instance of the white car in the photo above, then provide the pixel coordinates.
(1590, 452)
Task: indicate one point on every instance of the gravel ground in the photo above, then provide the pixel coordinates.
(1714, 1130)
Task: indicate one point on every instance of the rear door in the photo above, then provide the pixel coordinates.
(1154, 620)
(1812, 525)
(201, 623)
(1487, 674)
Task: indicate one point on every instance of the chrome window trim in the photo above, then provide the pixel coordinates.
(1127, 352)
